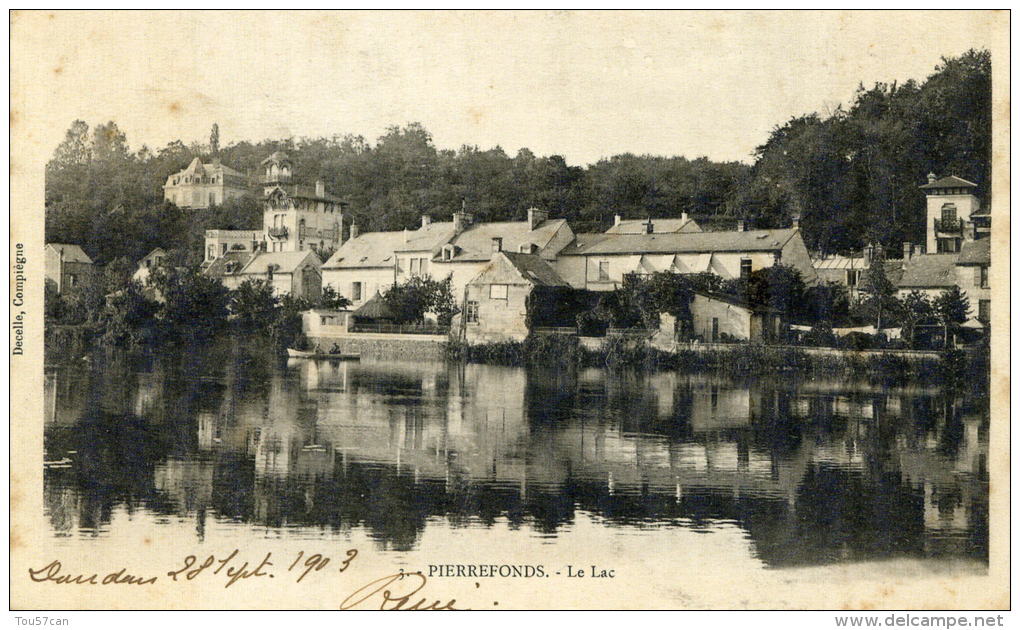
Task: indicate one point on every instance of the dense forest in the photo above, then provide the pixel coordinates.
(851, 175)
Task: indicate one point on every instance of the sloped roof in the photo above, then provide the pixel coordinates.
(376, 249)
(284, 262)
(301, 191)
(689, 242)
(475, 243)
(532, 268)
(218, 267)
(159, 251)
(976, 252)
(72, 253)
(840, 262)
(374, 308)
(276, 156)
(196, 167)
(659, 226)
(929, 271)
(951, 181)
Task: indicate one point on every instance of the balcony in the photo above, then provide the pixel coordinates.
(278, 232)
(948, 226)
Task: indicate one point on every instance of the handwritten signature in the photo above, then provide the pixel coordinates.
(379, 595)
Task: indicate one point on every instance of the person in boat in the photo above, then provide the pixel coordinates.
(335, 349)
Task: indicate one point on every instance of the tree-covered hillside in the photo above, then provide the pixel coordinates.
(852, 176)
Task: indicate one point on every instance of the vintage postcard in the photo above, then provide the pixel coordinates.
(510, 311)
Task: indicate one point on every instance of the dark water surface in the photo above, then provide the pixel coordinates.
(802, 471)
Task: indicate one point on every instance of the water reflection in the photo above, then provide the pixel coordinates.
(812, 471)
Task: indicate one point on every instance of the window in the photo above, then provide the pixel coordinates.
(948, 245)
(415, 266)
(853, 277)
(224, 246)
(745, 267)
(498, 292)
(356, 291)
(948, 215)
(211, 253)
(984, 310)
(983, 279)
(212, 199)
(71, 279)
(196, 198)
(603, 271)
(471, 312)
(715, 329)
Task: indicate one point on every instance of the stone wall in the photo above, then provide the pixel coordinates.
(386, 346)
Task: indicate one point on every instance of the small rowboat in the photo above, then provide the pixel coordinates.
(310, 354)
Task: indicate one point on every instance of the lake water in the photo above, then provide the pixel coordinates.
(775, 472)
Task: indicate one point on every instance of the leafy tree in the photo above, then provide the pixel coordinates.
(129, 318)
(880, 293)
(194, 307)
(331, 299)
(915, 308)
(951, 308)
(253, 305)
(412, 299)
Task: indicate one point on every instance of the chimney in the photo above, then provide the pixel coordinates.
(649, 227)
(908, 251)
(741, 225)
(354, 230)
(869, 254)
(536, 217)
(683, 217)
(425, 220)
(405, 236)
(320, 188)
(497, 244)
(616, 219)
(931, 178)
(460, 221)
(795, 222)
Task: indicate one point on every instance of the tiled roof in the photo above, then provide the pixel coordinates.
(218, 267)
(840, 262)
(929, 271)
(475, 242)
(284, 262)
(198, 168)
(659, 226)
(950, 182)
(692, 242)
(534, 269)
(72, 253)
(376, 249)
(976, 252)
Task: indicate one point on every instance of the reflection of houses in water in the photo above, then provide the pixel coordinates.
(806, 467)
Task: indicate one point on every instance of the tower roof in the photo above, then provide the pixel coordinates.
(278, 157)
(948, 182)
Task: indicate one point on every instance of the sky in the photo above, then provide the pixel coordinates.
(582, 85)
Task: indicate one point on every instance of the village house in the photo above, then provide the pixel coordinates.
(851, 271)
(599, 262)
(496, 300)
(297, 274)
(201, 185)
(145, 266)
(960, 247)
(372, 262)
(716, 318)
(67, 266)
(653, 226)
